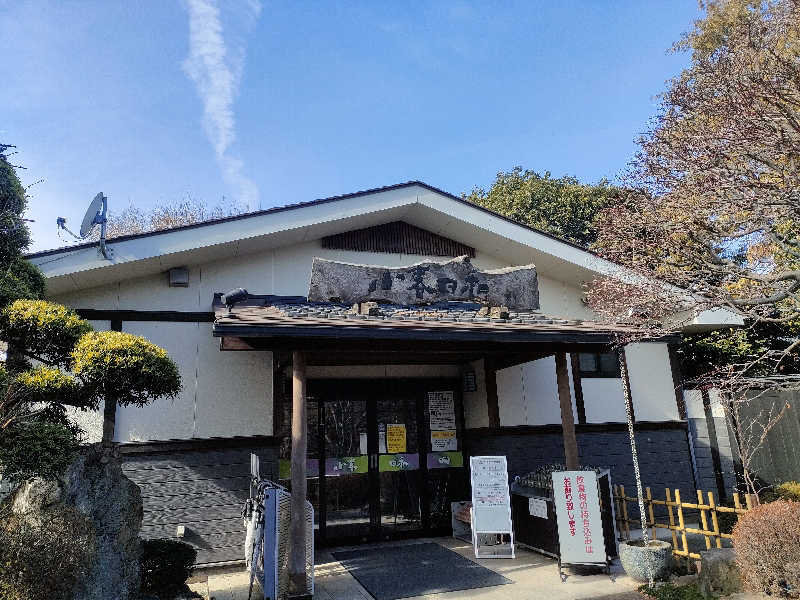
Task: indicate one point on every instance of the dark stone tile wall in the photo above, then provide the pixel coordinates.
(664, 458)
(204, 490)
(703, 457)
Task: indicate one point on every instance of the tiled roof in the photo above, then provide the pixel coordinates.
(444, 312)
(277, 313)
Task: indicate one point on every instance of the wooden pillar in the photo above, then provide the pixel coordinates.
(567, 418)
(297, 526)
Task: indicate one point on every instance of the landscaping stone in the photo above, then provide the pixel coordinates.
(640, 562)
(95, 486)
(515, 288)
(719, 574)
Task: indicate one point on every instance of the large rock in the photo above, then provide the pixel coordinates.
(719, 575)
(424, 283)
(95, 487)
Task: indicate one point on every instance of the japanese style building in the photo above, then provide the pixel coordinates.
(408, 369)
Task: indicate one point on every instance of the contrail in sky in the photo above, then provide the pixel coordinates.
(216, 71)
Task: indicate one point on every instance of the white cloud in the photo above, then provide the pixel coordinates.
(216, 67)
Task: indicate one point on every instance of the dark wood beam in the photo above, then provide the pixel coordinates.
(577, 385)
(506, 351)
(492, 403)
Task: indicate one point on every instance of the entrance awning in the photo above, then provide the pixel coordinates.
(263, 322)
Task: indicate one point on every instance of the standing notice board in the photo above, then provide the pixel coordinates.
(491, 504)
(580, 525)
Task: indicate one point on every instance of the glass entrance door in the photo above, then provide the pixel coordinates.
(389, 458)
(347, 503)
(399, 475)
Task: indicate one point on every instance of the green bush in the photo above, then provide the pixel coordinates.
(50, 328)
(44, 560)
(767, 543)
(40, 446)
(125, 367)
(789, 491)
(668, 591)
(46, 384)
(165, 566)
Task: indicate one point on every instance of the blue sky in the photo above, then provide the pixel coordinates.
(279, 102)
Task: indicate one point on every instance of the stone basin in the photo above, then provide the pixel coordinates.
(638, 560)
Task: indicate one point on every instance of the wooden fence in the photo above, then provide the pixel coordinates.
(705, 507)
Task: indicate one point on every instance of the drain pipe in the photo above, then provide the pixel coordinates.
(626, 388)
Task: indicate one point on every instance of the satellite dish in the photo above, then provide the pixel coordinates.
(95, 215)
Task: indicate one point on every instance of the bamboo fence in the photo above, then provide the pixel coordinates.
(706, 506)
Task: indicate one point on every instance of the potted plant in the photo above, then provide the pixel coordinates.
(645, 562)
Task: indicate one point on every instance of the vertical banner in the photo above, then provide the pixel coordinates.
(580, 527)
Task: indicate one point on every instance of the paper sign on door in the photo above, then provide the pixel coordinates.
(443, 441)
(395, 438)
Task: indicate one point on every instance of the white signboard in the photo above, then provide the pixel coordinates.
(490, 497)
(491, 501)
(537, 507)
(580, 527)
(442, 410)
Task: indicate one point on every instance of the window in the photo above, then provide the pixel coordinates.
(599, 364)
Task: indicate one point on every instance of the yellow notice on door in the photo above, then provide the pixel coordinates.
(395, 438)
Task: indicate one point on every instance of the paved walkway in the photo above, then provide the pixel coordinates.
(534, 577)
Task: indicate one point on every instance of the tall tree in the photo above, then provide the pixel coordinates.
(55, 360)
(563, 206)
(713, 205)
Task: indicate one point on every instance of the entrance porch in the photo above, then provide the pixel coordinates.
(531, 575)
(382, 458)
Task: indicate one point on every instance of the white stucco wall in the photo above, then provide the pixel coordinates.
(223, 394)
(527, 394)
(284, 271)
(229, 393)
(652, 387)
(603, 400)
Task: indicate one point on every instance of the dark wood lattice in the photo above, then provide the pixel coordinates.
(397, 238)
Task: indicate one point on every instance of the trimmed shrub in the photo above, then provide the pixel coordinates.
(767, 543)
(44, 560)
(124, 367)
(165, 566)
(50, 328)
(42, 385)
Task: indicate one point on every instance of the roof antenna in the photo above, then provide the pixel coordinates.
(95, 215)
